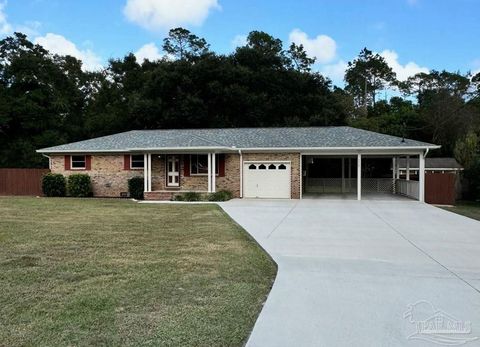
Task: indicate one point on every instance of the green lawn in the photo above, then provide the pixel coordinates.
(466, 208)
(112, 272)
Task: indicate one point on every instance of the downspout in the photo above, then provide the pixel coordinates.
(241, 172)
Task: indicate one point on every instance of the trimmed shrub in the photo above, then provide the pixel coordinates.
(54, 185)
(135, 187)
(188, 196)
(79, 185)
(221, 195)
(178, 197)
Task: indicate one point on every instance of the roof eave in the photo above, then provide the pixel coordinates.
(247, 149)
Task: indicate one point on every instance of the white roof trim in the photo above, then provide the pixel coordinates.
(248, 149)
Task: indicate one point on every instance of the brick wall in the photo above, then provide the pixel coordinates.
(109, 178)
(294, 158)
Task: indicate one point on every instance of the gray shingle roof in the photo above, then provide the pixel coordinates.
(432, 163)
(242, 138)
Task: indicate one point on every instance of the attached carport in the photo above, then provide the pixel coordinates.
(353, 177)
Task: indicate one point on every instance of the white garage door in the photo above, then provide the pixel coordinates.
(266, 180)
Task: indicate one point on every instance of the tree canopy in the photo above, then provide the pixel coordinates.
(46, 99)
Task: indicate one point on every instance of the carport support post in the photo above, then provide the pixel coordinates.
(349, 175)
(397, 169)
(407, 174)
(421, 177)
(359, 177)
(343, 175)
(394, 175)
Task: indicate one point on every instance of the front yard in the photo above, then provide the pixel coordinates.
(112, 272)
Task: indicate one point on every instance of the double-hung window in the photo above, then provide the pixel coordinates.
(78, 162)
(136, 161)
(199, 164)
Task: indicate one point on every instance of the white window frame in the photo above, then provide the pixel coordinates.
(217, 169)
(131, 161)
(78, 168)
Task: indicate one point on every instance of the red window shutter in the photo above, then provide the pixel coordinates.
(186, 165)
(126, 162)
(67, 162)
(221, 165)
(88, 162)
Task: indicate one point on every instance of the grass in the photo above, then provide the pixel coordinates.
(85, 272)
(465, 208)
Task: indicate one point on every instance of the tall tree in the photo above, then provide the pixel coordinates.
(182, 44)
(366, 75)
(444, 107)
(42, 100)
(466, 149)
(299, 58)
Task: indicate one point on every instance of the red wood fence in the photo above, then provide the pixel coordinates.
(440, 188)
(21, 181)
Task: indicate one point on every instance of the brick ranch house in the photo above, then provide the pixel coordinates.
(249, 162)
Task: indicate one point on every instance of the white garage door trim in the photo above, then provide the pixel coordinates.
(268, 183)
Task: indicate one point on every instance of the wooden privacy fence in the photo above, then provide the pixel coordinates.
(21, 181)
(440, 188)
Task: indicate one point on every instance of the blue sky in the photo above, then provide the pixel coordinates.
(413, 35)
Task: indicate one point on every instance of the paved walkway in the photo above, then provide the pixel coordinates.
(349, 270)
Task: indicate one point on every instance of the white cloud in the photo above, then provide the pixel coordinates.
(322, 47)
(5, 27)
(239, 40)
(60, 45)
(336, 72)
(158, 15)
(402, 71)
(149, 51)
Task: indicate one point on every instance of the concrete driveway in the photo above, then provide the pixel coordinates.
(363, 273)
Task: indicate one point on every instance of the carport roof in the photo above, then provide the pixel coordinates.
(239, 138)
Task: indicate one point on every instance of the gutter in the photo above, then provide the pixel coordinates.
(253, 149)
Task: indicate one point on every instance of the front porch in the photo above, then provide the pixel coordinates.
(168, 174)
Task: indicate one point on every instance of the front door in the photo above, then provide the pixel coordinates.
(173, 171)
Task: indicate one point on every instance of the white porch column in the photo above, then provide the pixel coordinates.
(407, 173)
(209, 172)
(149, 182)
(214, 170)
(421, 177)
(343, 175)
(359, 177)
(145, 172)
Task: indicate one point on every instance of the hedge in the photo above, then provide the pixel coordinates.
(54, 185)
(79, 186)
